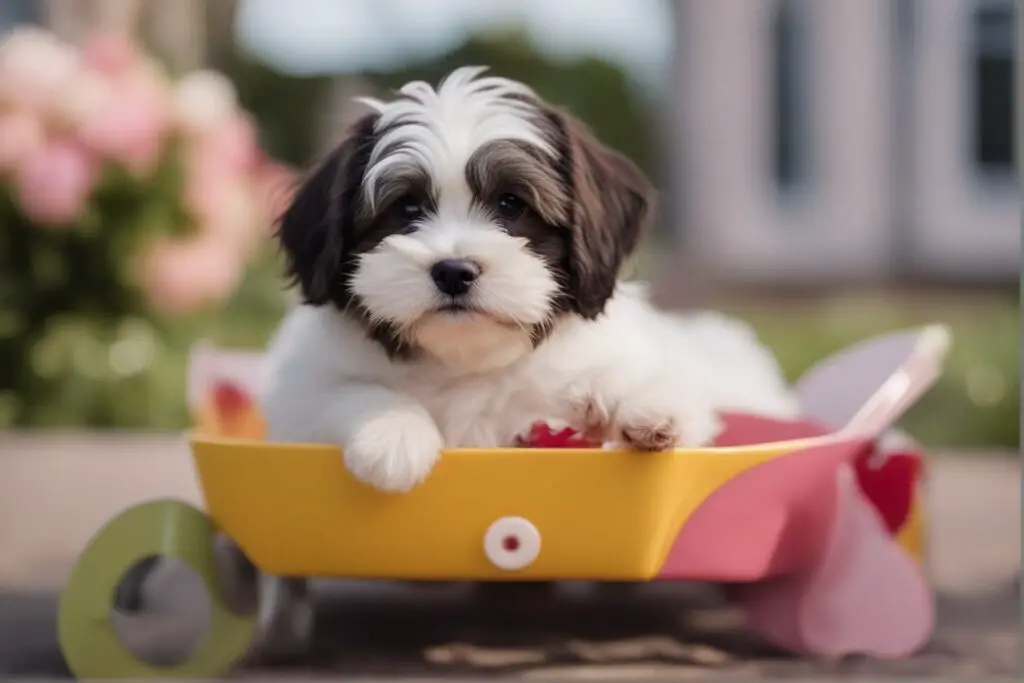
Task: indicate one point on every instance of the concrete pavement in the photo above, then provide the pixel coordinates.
(55, 491)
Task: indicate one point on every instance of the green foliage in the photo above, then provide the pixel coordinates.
(63, 294)
(79, 345)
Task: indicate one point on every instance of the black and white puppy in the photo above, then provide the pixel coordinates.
(458, 255)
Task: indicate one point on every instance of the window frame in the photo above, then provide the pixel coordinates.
(987, 177)
(965, 223)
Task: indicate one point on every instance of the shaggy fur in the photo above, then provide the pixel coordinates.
(458, 256)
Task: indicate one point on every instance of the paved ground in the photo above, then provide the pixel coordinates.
(55, 492)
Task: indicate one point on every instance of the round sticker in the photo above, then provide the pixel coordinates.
(512, 543)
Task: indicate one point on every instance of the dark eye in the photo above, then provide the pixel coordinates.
(409, 209)
(510, 207)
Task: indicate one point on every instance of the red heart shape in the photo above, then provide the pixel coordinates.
(230, 399)
(542, 436)
(889, 485)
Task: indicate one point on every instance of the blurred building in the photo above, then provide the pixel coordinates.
(818, 140)
(848, 140)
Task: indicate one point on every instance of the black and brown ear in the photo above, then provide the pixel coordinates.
(611, 205)
(315, 228)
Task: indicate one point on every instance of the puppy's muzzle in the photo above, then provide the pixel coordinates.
(454, 277)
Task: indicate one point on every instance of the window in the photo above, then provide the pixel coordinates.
(904, 24)
(789, 92)
(992, 79)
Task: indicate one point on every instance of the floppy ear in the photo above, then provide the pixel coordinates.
(611, 200)
(315, 228)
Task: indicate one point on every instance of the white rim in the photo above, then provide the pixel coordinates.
(512, 543)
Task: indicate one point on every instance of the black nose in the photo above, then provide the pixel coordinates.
(454, 276)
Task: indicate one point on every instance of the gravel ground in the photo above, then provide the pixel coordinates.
(56, 491)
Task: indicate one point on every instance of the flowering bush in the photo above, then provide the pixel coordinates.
(128, 201)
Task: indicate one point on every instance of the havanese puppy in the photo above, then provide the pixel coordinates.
(458, 257)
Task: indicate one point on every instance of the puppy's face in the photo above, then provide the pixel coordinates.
(464, 222)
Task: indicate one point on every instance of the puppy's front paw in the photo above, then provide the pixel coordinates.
(654, 434)
(394, 451)
(589, 415)
(645, 425)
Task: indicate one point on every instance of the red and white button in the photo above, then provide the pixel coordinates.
(512, 543)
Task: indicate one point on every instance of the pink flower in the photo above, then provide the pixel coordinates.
(21, 134)
(149, 75)
(275, 187)
(232, 144)
(111, 55)
(35, 68)
(219, 189)
(85, 98)
(130, 128)
(204, 100)
(53, 184)
(233, 215)
(224, 206)
(182, 276)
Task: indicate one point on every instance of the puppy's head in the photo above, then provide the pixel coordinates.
(463, 222)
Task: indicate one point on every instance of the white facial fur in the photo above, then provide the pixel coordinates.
(515, 289)
(439, 132)
(442, 128)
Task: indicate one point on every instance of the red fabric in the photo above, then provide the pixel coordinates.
(542, 436)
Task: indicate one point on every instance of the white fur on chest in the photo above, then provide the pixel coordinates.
(487, 407)
(484, 411)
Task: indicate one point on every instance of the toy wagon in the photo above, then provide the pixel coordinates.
(816, 525)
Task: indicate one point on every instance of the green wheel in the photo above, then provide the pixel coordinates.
(169, 529)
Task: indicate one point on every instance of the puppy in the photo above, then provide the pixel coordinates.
(458, 257)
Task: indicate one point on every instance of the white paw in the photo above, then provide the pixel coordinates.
(645, 419)
(395, 450)
(643, 424)
(590, 416)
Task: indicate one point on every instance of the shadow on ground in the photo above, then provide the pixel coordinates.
(449, 630)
